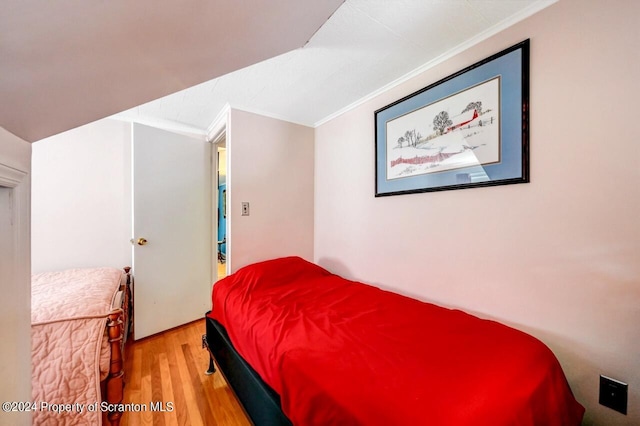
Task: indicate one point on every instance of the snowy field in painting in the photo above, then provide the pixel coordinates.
(456, 151)
(416, 146)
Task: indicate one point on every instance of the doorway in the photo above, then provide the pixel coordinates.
(221, 208)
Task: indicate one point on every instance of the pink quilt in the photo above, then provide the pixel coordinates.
(68, 319)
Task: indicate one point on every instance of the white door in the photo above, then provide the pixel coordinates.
(172, 212)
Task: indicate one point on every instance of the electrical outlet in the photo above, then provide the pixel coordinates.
(613, 394)
(245, 208)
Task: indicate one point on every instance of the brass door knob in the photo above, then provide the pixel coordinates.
(141, 241)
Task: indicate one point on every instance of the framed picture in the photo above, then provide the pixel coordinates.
(467, 130)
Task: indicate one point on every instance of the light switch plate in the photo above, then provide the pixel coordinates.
(245, 208)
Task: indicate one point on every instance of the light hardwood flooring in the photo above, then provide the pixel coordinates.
(169, 367)
(222, 270)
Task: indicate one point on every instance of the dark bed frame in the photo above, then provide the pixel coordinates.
(260, 402)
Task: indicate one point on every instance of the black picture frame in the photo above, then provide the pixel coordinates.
(470, 129)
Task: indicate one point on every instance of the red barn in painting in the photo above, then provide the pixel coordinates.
(452, 128)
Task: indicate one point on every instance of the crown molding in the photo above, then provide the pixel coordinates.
(10, 177)
(272, 115)
(171, 126)
(501, 26)
(218, 124)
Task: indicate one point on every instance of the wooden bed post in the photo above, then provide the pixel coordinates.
(205, 344)
(115, 380)
(128, 304)
(212, 367)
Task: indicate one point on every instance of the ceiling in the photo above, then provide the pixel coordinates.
(65, 63)
(65, 72)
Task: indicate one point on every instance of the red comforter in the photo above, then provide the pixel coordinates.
(346, 353)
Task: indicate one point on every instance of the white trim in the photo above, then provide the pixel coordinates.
(15, 250)
(213, 158)
(220, 138)
(159, 123)
(271, 115)
(218, 125)
(227, 231)
(132, 200)
(500, 26)
(10, 177)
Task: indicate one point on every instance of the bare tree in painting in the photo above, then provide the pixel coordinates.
(408, 137)
(411, 137)
(441, 122)
(474, 105)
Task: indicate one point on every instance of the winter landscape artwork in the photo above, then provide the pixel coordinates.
(459, 131)
(467, 130)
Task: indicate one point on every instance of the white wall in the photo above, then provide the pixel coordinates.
(271, 167)
(15, 282)
(82, 198)
(558, 257)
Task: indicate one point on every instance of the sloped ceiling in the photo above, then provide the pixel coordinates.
(69, 65)
(365, 46)
(65, 63)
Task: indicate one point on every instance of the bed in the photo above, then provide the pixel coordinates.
(299, 345)
(79, 322)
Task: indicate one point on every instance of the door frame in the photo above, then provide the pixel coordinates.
(15, 275)
(217, 132)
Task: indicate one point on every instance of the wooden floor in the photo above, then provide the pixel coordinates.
(169, 367)
(222, 270)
